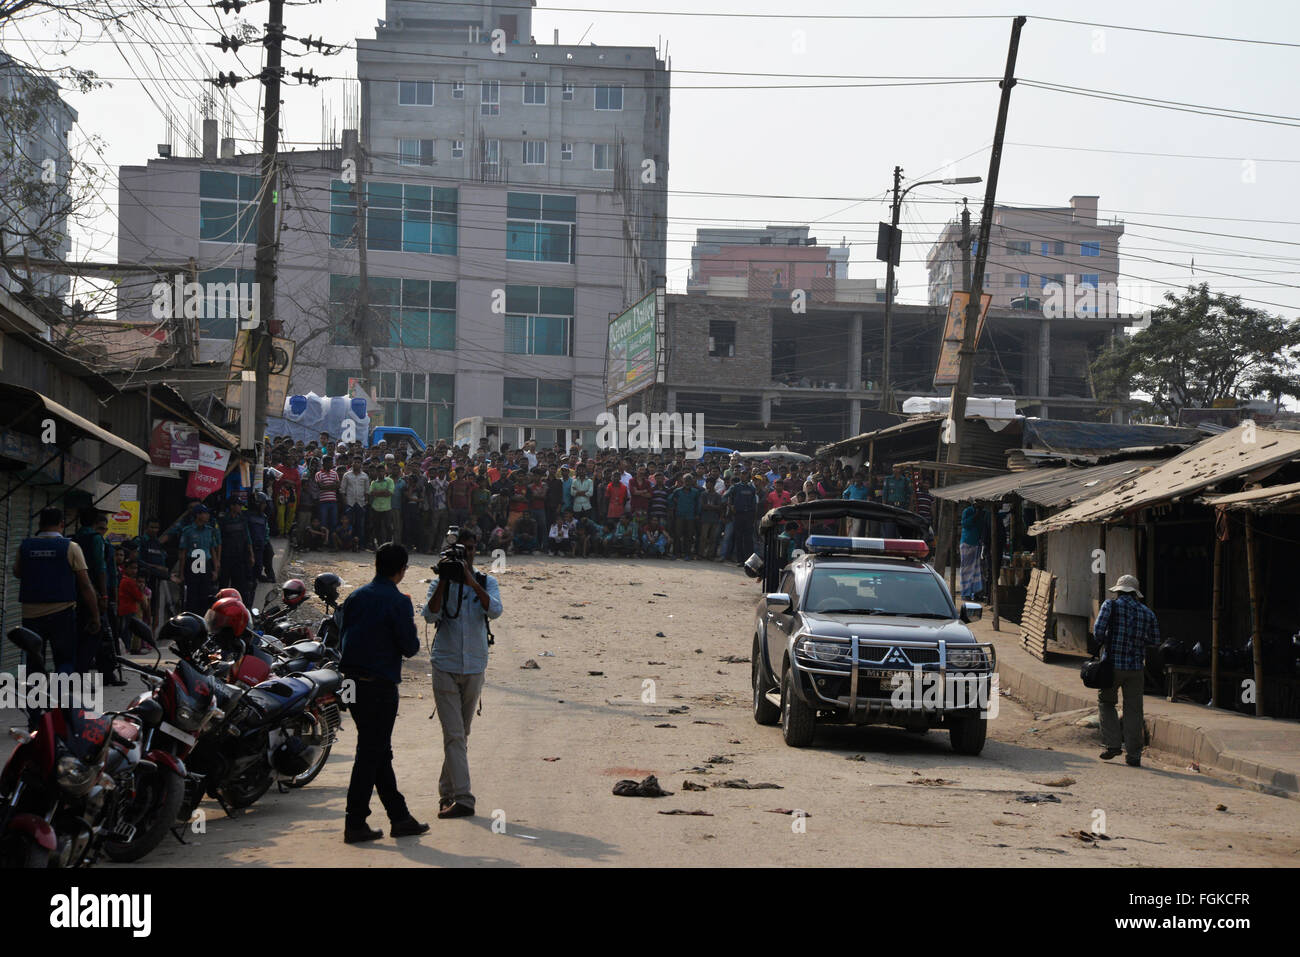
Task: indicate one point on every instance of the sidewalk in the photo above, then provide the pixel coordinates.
(1262, 753)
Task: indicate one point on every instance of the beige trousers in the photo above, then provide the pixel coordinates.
(456, 697)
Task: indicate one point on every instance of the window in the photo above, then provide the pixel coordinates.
(609, 96)
(534, 93)
(491, 156)
(1090, 279)
(228, 207)
(541, 227)
(566, 152)
(1010, 279)
(603, 156)
(458, 89)
(425, 402)
(415, 92)
(227, 295)
(403, 313)
(1051, 249)
(539, 320)
(457, 149)
(534, 152)
(1018, 247)
(567, 92)
(1058, 278)
(537, 398)
(722, 338)
(404, 218)
(490, 101)
(415, 152)
(1089, 249)
(336, 380)
(1023, 280)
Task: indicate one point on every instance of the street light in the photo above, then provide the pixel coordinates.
(886, 397)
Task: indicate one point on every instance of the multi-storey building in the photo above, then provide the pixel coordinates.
(485, 298)
(463, 91)
(724, 260)
(1030, 249)
(35, 164)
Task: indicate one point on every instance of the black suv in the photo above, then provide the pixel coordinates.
(858, 630)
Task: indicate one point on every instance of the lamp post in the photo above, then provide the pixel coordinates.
(886, 389)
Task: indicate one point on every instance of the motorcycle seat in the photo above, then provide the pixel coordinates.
(307, 649)
(325, 680)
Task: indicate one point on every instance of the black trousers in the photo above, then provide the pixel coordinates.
(375, 713)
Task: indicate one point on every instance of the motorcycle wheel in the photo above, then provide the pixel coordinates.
(245, 792)
(304, 779)
(22, 851)
(162, 795)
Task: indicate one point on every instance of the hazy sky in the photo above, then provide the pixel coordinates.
(834, 149)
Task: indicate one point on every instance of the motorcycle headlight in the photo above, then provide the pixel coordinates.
(827, 652)
(73, 775)
(973, 659)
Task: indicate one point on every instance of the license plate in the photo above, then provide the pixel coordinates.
(178, 734)
(883, 676)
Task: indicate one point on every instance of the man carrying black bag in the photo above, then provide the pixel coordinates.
(1125, 628)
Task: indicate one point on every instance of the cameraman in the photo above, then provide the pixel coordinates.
(460, 603)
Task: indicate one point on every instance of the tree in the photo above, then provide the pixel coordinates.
(1199, 347)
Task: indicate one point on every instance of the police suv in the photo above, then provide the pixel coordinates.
(860, 630)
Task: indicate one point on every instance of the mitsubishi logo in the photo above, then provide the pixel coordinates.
(896, 657)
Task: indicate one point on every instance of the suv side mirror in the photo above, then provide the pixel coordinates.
(971, 611)
(778, 601)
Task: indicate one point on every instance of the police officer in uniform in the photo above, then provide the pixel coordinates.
(200, 575)
(237, 552)
(52, 573)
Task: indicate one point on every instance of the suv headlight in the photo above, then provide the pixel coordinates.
(827, 652)
(967, 658)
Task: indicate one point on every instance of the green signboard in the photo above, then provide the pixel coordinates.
(632, 358)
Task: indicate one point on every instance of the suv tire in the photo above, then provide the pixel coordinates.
(968, 733)
(798, 720)
(764, 711)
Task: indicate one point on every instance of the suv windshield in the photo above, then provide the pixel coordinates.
(878, 591)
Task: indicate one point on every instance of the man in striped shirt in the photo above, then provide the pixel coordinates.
(327, 487)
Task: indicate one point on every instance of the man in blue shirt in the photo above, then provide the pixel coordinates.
(460, 606)
(1127, 628)
(378, 631)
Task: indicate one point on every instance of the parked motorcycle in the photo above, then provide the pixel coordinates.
(79, 784)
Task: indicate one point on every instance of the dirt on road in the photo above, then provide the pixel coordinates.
(642, 667)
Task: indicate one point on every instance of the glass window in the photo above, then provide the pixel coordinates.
(566, 152)
(415, 152)
(1024, 281)
(490, 100)
(228, 207)
(603, 155)
(1018, 247)
(1090, 279)
(567, 93)
(534, 93)
(415, 92)
(411, 313)
(343, 215)
(457, 149)
(541, 227)
(609, 96)
(537, 398)
(227, 297)
(336, 380)
(534, 152)
(1090, 249)
(458, 89)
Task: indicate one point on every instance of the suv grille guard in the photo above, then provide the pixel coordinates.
(856, 662)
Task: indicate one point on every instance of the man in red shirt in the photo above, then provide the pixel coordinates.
(616, 497)
(639, 488)
(778, 496)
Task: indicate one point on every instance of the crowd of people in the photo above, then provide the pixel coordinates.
(343, 496)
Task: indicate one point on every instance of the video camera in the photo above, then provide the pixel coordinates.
(450, 567)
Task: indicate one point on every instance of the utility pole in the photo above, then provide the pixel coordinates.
(361, 318)
(886, 386)
(264, 274)
(965, 246)
(956, 426)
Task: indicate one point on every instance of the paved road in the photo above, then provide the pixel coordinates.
(871, 796)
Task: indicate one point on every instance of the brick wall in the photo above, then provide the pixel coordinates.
(689, 361)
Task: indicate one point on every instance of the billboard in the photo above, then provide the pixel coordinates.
(954, 333)
(632, 358)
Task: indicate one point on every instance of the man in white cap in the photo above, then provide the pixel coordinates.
(1127, 628)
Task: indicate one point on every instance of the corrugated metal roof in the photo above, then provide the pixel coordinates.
(1063, 435)
(991, 489)
(1075, 485)
(1221, 457)
(1258, 499)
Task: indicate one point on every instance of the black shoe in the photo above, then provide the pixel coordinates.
(359, 834)
(1111, 753)
(407, 828)
(456, 810)
(1133, 762)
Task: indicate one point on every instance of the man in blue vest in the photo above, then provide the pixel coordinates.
(52, 572)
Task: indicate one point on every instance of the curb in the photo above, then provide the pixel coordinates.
(1163, 734)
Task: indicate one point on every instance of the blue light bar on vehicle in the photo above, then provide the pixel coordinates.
(846, 544)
